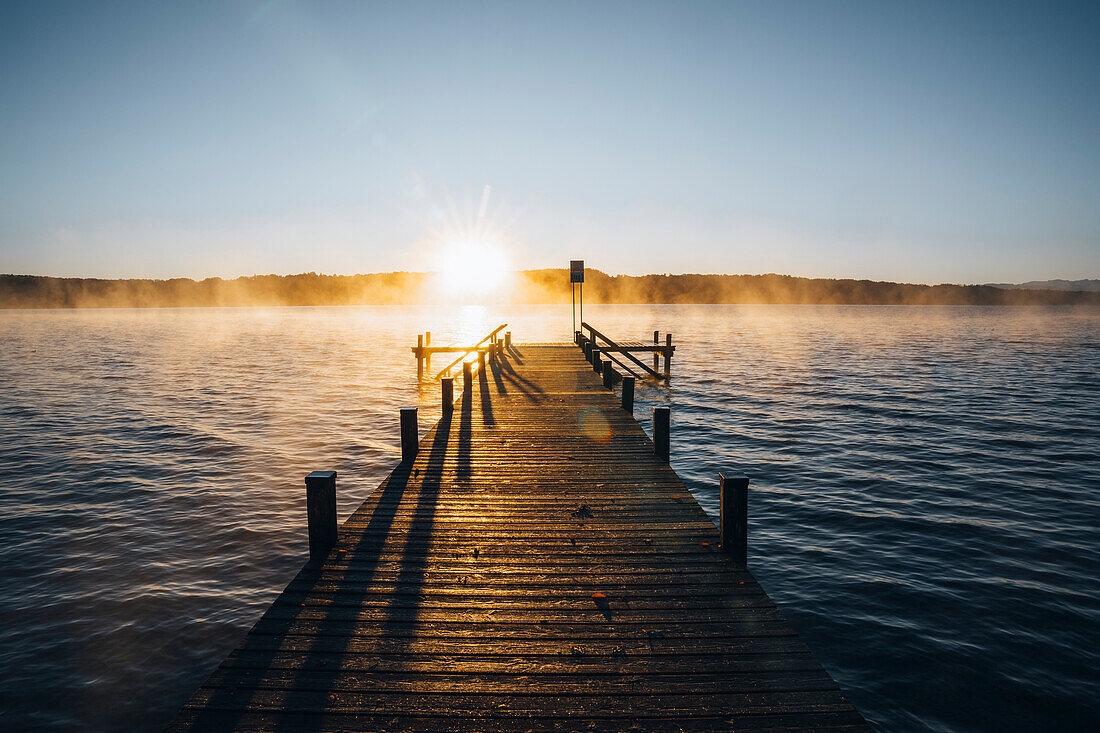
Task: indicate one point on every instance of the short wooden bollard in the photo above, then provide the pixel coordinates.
(668, 354)
(656, 356)
(507, 339)
(597, 363)
(733, 498)
(448, 395)
(480, 360)
(428, 356)
(628, 394)
(587, 348)
(661, 432)
(410, 439)
(467, 376)
(608, 374)
(321, 513)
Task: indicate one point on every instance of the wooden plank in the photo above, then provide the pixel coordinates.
(703, 721)
(535, 567)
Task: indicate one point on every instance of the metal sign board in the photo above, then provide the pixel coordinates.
(576, 271)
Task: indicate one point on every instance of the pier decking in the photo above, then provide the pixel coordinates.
(535, 568)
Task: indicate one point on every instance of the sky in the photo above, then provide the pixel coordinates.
(916, 142)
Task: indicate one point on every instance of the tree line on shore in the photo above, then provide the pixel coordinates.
(529, 286)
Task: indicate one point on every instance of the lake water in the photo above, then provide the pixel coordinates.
(925, 501)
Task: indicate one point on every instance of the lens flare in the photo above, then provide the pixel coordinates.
(594, 425)
(472, 266)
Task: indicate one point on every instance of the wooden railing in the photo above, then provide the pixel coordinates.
(609, 348)
(423, 350)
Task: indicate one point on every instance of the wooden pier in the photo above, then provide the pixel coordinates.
(532, 565)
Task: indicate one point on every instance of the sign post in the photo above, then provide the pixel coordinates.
(576, 278)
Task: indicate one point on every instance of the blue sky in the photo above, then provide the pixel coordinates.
(920, 142)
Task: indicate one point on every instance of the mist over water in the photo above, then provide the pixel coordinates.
(924, 502)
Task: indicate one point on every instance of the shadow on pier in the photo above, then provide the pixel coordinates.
(525, 571)
(304, 639)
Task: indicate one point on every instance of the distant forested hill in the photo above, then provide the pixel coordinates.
(1081, 285)
(531, 286)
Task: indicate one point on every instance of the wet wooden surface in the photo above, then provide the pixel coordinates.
(536, 568)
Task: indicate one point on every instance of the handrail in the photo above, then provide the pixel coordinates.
(466, 353)
(611, 356)
(627, 354)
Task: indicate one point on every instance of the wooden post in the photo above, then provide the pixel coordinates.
(656, 356)
(733, 497)
(597, 364)
(587, 350)
(428, 356)
(419, 356)
(410, 440)
(321, 513)
(448, 396)
(480, 360)
(668, 353)
(507, 339)
(628, 394)
(660, 432)
(608, 374)
(467, 377)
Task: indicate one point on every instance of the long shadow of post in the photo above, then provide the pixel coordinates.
(486, 398)
(465, 430)
(495, 368)
(529, 389)
(316, 668)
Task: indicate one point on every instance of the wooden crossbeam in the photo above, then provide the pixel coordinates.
(475, 347)
(627, 354)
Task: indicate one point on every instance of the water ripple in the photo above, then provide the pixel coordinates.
(924, 488)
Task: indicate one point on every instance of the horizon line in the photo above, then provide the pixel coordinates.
(562, 269)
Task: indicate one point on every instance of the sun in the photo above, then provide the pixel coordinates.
(472, 266)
